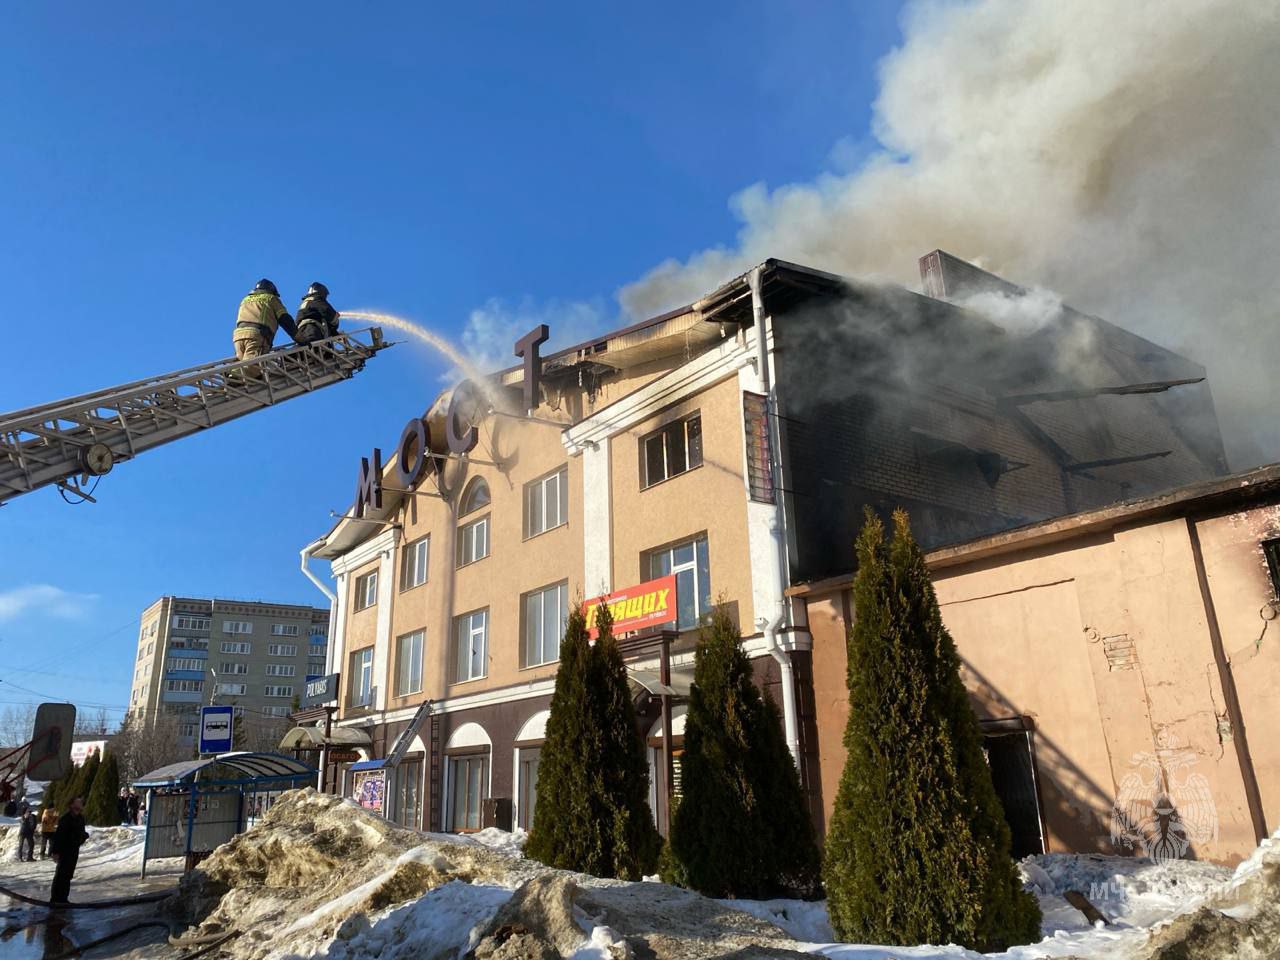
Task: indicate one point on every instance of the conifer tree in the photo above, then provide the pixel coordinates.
(55, 791)
(917, 849)
(83, 782)
(742, 828)
(101, 807)
(592, 812)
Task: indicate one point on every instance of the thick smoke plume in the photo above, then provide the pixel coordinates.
(1123, 155)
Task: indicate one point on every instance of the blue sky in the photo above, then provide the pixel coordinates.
(433, 162)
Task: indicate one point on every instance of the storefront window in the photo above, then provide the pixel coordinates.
(466, 780)
(529, 757)
(409, 793)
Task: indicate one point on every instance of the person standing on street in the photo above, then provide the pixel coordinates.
(48, 824)
(316, 317)
(67, 841)
(27, 835)
(261, 312)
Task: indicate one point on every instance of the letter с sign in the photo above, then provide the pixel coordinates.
(419, 449)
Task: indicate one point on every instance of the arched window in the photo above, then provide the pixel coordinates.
(474, 497)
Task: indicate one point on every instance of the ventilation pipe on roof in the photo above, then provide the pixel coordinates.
(777, 605)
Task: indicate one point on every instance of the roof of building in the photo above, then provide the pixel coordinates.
(1206, 496)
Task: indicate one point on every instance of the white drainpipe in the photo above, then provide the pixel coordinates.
(778, 559)
(320, 585)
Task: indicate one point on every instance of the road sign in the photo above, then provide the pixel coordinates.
(51, 741)
(215, 729)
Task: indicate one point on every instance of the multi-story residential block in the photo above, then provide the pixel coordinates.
(732, 445)
(255, 656)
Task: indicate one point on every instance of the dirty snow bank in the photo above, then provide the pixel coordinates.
(113, 843)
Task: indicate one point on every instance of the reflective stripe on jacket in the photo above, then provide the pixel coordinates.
(262, 310)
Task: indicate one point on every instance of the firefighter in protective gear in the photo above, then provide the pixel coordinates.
(317, 319)
(261, 312)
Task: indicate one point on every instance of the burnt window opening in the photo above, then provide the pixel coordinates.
(1271, 549)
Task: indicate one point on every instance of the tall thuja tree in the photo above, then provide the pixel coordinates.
(564, 832)
(101, 807)
(917, 849)
(55, 793)
(592, 813)
(83, 781)
(742, 828)
(632, 840)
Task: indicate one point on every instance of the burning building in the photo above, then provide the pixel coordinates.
(724, 452)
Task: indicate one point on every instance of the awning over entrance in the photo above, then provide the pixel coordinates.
(254, 766)
(368, 765)
(680, 686)
(313, 737)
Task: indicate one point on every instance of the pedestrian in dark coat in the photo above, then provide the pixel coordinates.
(27, 835)
(67, 841)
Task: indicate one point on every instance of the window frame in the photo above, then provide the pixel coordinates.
(458, 660)
(236, 646)
(232, 669)
(361, 588)
(283, 630)
(539, 485)
(278, 649)
(232, 628)
(668, 428)
(463, 532)
(526, 663)
(423, 543)
(280, 670)
(221, 689)
(421, 637)
(361, 669)
(465, 505)
(649, 573)
(465, 760)
(281, 691)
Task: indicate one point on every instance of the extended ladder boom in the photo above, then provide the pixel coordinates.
(58, 442)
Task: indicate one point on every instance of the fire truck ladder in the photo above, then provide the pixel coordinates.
(67, 442)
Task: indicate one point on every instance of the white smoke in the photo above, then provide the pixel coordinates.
(1122, 154)
(491, 330)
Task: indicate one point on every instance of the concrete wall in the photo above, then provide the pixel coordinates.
(1105, 641)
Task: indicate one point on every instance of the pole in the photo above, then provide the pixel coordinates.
(324, 747)
(668, 753)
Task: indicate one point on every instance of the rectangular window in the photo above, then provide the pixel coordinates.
(471, 632)
(408, 793)
(142, 652)
(236, 646)
(188, 643)
(275, 711)
(413, 563)
(233, 689)
(466, 782)
(473, 541)
(237, 626)
(689, 564)
(151, 647)
(184, 686)
(545, 613)
(282, 649)
(546, 503)
(316, 650)
(190, 623)
(184, 663)
(286, 630)
(315, 667)
(675, 448)
(361, 682)
(367, 590)
(409, 663)
(281, 670)
(274, 691)
(230, 668)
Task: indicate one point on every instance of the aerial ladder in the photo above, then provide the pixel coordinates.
(71, 442)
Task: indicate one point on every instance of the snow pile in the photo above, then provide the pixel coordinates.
(1239, 920)
(803, 920)
(318, 874)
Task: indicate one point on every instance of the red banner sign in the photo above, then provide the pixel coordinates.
(646, 604)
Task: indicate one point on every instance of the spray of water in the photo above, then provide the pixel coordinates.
(435, 341)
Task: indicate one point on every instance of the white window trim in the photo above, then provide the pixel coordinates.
(421, 636)
(471, 635)
(466, 537)
(563, 588)
(422, 570)
(540, 485)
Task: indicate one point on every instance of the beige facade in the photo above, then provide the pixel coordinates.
(713, 443)
(1136, 643)
(255, 656)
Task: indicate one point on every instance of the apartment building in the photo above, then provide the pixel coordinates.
(731, 445)
(255, 656)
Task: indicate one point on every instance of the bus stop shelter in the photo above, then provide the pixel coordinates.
(197, 805)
